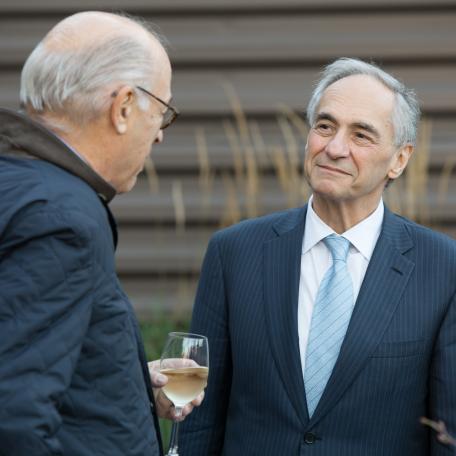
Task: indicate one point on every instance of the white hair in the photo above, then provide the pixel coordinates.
(78, 83)
(406, 111)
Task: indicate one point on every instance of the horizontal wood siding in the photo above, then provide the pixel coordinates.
(217, 163)
(262, 91)
(203, 6)
(232, 39)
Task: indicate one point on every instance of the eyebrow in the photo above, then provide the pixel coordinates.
(325, 116)
(367, 127)
(362, 125)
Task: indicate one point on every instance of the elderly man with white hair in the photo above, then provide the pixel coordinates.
(74, 380)
(332, 326)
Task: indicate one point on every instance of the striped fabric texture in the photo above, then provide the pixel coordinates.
(397, 361)
(330, 317)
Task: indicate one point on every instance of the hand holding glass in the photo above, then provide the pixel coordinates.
(185, 361)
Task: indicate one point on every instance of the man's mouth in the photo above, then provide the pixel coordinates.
(334, 170)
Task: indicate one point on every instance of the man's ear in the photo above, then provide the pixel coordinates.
(121, 109)
(400, 160)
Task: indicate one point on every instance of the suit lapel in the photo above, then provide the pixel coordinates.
(282, 260)
(383, 285)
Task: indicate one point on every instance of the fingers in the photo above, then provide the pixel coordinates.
(178, 363)
(195, 403)
(165, 408)
(187, 410)
(157, 379)
(198, 400)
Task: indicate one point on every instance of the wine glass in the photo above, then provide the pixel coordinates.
(185, 361)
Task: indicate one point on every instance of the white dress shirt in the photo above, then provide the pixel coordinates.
(316, 260)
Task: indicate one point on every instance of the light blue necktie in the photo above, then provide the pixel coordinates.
(330, 318)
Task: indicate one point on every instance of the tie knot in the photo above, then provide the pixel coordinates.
(338, 246)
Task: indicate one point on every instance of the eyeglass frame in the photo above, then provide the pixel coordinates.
(175, 112)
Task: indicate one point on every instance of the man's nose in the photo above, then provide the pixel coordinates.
(338, 146)
(159, 138)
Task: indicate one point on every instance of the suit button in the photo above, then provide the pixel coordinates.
(309, 438)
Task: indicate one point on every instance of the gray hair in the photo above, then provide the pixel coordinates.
(406, 112)
(79, 83)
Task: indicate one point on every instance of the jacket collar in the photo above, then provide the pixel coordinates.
(20, 135)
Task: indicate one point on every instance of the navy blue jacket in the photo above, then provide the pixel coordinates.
(73, 379)
(397, 362)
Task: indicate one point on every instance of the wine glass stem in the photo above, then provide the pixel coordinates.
(173, 444)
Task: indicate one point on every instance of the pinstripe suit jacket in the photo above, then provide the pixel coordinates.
(397, 362)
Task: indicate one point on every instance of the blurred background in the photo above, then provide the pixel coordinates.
(243, 73)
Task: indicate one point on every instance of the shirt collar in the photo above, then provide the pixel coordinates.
(315, 229)
(362, 236)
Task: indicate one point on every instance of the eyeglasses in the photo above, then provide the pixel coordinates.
(171, 113)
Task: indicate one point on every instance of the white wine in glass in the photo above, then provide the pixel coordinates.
(185, 361)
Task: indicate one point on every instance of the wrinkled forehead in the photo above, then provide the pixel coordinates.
(358, 98)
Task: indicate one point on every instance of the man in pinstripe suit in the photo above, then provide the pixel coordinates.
(261, 281)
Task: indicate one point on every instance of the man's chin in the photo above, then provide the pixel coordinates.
(324, 186)
(125, 188)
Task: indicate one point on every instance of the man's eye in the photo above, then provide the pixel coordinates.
(324, 127)
(362, 137)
